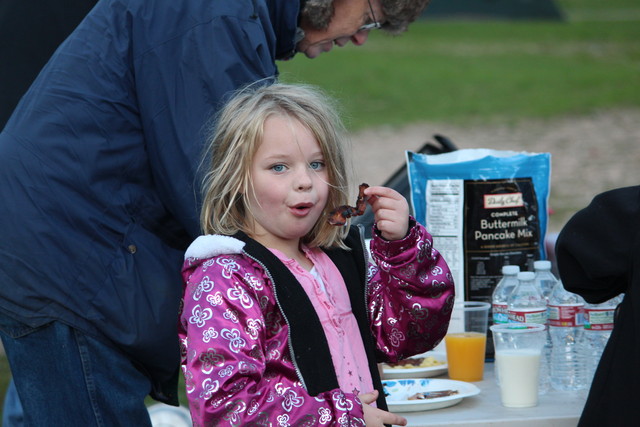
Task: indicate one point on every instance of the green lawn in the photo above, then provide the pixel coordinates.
(5, 375)
(465, 72)
(469, 72)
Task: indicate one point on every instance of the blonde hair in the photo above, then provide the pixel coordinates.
(237, 134)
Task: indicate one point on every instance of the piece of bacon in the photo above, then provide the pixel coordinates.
(339, 215)
(432, 394)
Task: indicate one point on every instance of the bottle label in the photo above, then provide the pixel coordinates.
(599, 319)
(566, 315)
(500, 313)
(536, 315)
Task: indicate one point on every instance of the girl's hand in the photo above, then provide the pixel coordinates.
(377, 417)
(391, 211)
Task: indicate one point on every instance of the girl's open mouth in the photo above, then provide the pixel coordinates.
(302, 208)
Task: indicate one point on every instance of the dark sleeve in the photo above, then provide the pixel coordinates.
(30, 32)
(180, 85)
(597, 247)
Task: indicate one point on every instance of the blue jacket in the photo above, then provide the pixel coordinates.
(98, 165)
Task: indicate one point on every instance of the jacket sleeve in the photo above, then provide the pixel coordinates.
(236, 358)
(598, 247)
(189, 59)
(411, 294)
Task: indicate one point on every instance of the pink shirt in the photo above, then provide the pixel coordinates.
(327, 291)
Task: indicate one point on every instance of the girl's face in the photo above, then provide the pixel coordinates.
(290, 184)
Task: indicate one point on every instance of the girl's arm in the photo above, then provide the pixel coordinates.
(411, 290)
(236, 358)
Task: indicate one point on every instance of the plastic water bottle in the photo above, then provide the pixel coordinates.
(545, 279)
(526, 304)
(500, 296)
(598, 324)
(566, 328)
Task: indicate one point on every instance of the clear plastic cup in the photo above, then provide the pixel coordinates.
(518, 349)
(466, 340)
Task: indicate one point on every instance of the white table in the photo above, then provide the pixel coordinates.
(555, 409)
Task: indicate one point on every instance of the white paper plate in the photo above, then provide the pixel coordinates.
(398, 391)
(169, 416)
(432, 371)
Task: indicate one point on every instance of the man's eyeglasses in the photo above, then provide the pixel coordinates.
(374, 25)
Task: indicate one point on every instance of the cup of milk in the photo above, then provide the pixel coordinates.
(518, 348)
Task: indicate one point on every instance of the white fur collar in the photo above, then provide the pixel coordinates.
(211, 245)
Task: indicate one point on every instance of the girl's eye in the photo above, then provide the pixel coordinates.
(278, 168)
(316, 165)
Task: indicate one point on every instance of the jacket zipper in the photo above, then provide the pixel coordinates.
(365, 257)
(275, 293)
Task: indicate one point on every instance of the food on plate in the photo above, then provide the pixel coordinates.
(339, 215)
(416, 362)
(432, 394)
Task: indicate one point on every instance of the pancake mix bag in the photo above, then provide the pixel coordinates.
(485, 209)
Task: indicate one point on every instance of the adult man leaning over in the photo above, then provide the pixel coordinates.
(98, 177)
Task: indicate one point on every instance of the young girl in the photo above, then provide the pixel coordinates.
(283, 321)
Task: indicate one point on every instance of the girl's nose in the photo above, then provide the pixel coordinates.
(304, 180)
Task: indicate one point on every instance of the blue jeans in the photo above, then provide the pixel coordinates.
(67, 378)
(12, 411)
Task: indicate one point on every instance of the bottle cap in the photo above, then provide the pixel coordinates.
(542, 265)
(526, 275)
(510, 270)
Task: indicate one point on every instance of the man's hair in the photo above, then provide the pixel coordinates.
(398, 13)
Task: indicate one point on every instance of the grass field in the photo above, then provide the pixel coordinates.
(466, 72)
(5, 375)
(471, 72)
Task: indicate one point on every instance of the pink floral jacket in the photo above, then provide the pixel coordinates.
(251, 352)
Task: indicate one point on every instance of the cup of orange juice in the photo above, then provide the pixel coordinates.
(466, 340)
